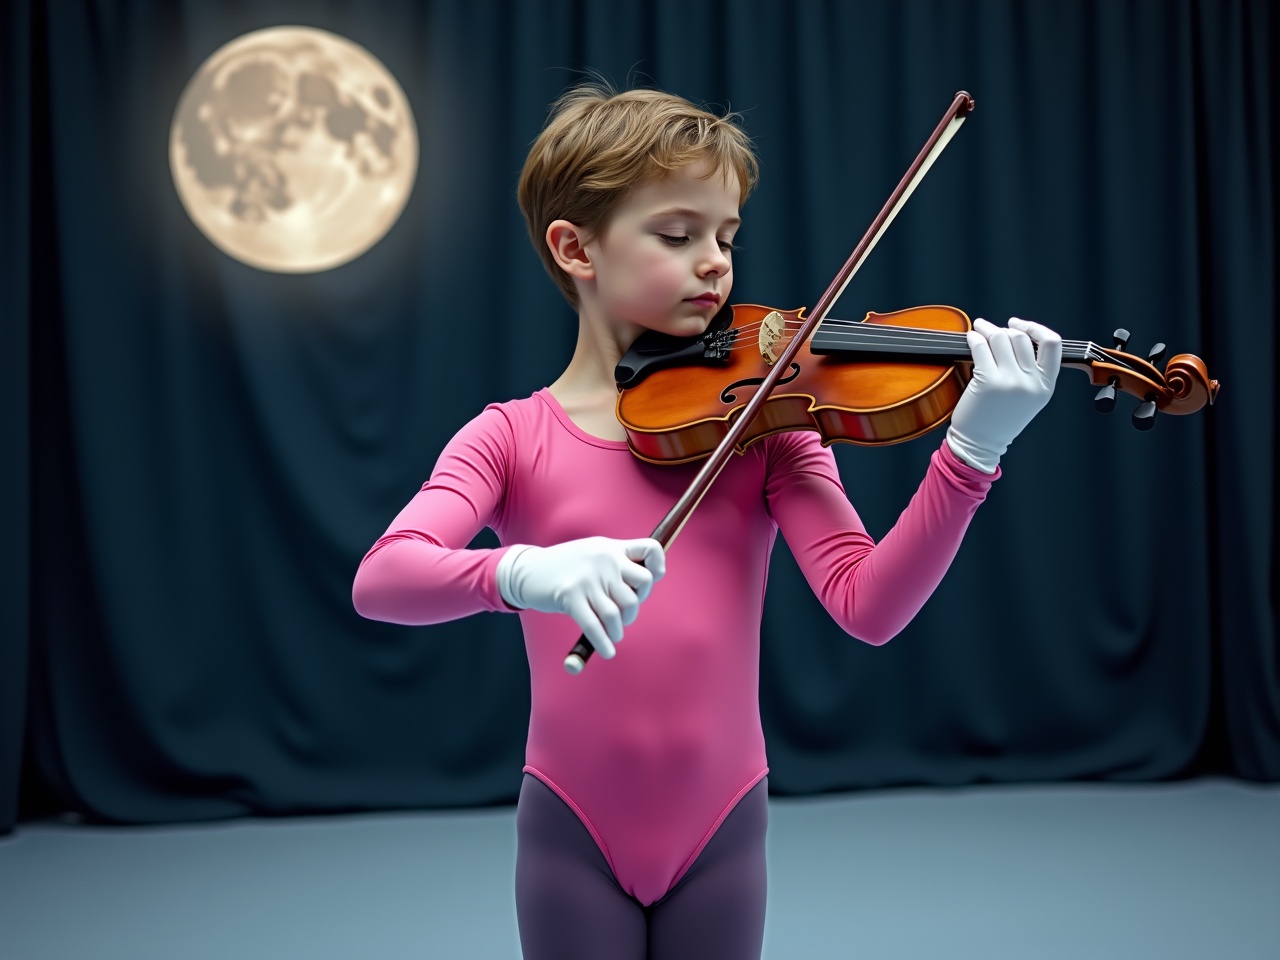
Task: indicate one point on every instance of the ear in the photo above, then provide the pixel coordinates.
(568, 246)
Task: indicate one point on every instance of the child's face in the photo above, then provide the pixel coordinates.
(664, 261)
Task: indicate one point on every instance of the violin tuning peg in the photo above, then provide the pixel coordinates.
(1104, 401)
(1144, 417)
(1156, 353)
(1121, 336)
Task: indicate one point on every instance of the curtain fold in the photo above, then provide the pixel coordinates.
(15, 409)
(1236, 99)
(197, 453)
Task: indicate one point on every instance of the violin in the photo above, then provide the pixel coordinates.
(884, 379)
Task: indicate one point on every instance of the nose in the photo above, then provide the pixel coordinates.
(714, 262)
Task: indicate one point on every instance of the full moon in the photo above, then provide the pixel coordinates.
(293, 149)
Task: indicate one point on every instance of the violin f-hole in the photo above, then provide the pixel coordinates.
(727, 396)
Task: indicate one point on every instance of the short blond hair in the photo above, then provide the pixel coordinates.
(599, 144)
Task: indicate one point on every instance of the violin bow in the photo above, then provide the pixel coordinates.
(670, 526)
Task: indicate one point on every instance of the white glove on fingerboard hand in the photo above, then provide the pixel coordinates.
(1014, 372)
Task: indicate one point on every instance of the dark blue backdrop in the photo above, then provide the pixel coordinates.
(195, 454)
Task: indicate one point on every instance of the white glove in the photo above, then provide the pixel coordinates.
(1012, 381)
(598, 581)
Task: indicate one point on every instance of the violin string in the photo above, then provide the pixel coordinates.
(875, 335)
(886, 336)
(839, 326)
(958, 341)
(922, 339)
(1079, 350)
(874, 330)
(869, 329)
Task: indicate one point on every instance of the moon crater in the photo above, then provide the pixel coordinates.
(293, 149)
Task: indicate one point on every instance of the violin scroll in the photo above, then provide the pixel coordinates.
(1189, 384)
(1184, 387)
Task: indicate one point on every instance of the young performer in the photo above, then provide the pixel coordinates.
(642, 814)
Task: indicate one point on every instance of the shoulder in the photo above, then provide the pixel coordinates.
(485, 451)
(488, 438)
(521, 415)
(503, 430)
(797, 450)
(796, 459)
(504, 421)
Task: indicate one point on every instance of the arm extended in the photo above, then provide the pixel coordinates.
(871, 589)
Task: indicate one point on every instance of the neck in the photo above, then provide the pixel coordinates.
(596, 353)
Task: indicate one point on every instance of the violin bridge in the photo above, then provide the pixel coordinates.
(772, 328)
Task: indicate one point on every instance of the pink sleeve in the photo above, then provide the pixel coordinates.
(871, 589)
(420, 570)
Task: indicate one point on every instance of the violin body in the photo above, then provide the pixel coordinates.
(888, 378)
(678, 414)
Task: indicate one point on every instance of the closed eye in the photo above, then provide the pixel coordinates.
(726, 245)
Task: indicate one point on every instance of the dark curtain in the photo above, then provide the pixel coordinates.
(196, 454)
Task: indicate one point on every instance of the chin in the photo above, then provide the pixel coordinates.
(686, 326)
(677, 324)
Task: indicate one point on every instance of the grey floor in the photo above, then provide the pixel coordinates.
(1167, 872)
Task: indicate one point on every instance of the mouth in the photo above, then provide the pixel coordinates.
(705, 300)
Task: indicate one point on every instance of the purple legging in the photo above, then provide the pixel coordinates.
(570, 906)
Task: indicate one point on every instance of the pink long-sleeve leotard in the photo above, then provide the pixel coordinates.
(653, 748)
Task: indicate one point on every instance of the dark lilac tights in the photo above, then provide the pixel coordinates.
(570, 907)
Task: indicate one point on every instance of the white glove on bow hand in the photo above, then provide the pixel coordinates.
(598, 581)
(1012, 381)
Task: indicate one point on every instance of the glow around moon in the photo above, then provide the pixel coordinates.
(293, 149)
